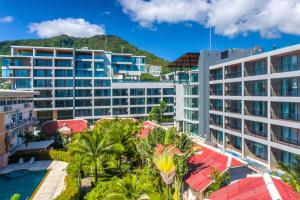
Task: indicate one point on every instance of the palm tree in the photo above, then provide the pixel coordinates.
(292, 174)
(165, 164)
(92, 145)
(219, 180)
(128, 188)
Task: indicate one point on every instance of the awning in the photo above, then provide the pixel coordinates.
(35, 145)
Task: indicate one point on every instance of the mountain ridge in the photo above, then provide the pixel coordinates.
(114, 44)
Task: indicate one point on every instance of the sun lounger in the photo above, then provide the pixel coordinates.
(21, 161)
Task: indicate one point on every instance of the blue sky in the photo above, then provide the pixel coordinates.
(148, 26)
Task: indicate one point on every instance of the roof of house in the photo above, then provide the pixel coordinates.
(255, 188)
(147, 126)
(202, 164)
(170, 148)
(187, 60)
(76, 125)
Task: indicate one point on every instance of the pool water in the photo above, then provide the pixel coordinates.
(22, 182)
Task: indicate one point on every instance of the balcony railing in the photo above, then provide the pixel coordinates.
(234, 127)
(260, 92)
(289, 92)
(216, 92)
(286, 116)
(233, 110)
(256, 133)
(218, 108)
(285, 141)
(236, 74)
(285, 68)
(231, 92)
(251, 72)
(261, 113)
(20, 123)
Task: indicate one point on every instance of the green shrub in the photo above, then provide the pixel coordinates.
(60, 155)
(72, 191)
(15, 197)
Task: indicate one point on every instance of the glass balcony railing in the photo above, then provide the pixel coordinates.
(237, 74)
(285, 141)
(285, 68)
(257, 112)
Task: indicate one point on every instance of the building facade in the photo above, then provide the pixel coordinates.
(84, 83)
(255, 106)
(16, 118)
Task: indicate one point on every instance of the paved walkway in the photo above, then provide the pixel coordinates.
(54, 183)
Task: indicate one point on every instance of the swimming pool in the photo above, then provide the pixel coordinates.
(22, 182)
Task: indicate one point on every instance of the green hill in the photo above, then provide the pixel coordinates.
(114, 44)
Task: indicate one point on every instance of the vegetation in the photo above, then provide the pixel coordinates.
(157, 112)
(219, 180)
(114, 43)
(292, 174)
(15, 197)
(149, 77)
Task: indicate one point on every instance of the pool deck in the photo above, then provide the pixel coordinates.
(53, 184)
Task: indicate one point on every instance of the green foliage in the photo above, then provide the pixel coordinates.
(183, 143)
(157, 112)
(219, 180)
(72, 190)
(15, 197)
(114, 44)
(292, 174)
(60, 155)
(149, 77)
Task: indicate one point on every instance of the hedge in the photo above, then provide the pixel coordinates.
(72, 191)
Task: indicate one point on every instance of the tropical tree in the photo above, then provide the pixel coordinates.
(157, 112)
(166, 166)
(128, 188)
(292, 174)
(92, 145)
(177, 191)
(219, 180)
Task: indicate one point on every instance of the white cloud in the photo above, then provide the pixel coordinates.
(69, 26)
(7, 19)
(228, 17)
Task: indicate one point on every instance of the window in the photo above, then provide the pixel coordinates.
(63, 63)
(43, 63)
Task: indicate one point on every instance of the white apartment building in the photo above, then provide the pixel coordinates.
(16, 118)
(255, 106)
(84, 83)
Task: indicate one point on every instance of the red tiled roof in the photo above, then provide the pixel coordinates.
(201, 166)
(76, 125)
(254, 188)
(147, 127)
(285, 190)
(170, 148)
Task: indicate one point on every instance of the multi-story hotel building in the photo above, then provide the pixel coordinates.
(84, 83)
(255, 106)
(16, 118)
(245, 102)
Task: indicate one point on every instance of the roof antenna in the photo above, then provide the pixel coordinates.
(210, 39)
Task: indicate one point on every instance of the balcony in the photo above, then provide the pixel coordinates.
(285, 135)
(216, 74)
(287, 63)
(286, 111)
(216, 89)
(216, 120)
(256, 88)
(234, 124)
(233, 106)
(256, 129)
(233, 89)
(256, 68)
(285, 87)
(20, 124)
(216, 104)
(233, 71)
